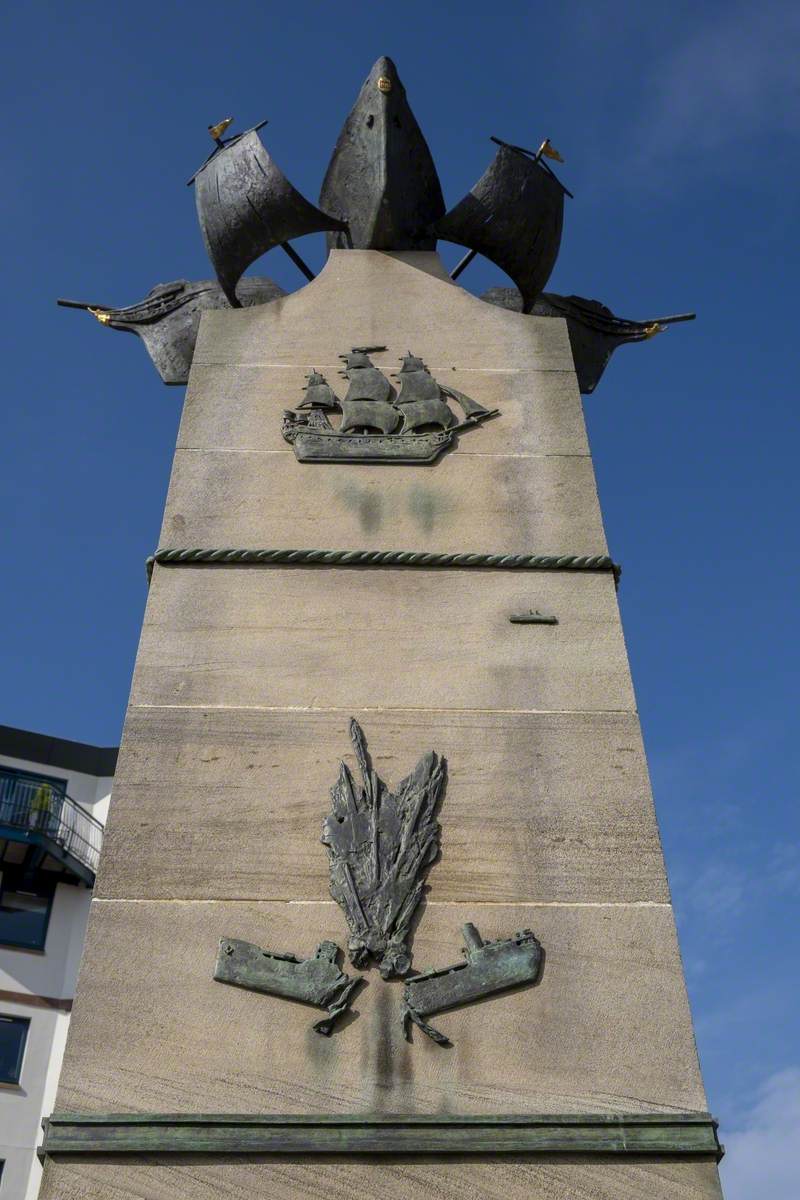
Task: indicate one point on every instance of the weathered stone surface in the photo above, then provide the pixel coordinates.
(508, 1178)
(491, 504)
(244, 684)
(363, 297)
(546, 806)
(607, 1029)
(240, 408)
(380, 638)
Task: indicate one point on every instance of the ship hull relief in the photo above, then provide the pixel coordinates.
(369, 447)
(413, 423)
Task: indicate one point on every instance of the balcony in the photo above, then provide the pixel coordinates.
(44, 829)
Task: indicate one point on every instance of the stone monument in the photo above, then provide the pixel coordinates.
(381, 708)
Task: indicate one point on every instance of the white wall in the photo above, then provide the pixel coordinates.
(87, 790)
(52, 973)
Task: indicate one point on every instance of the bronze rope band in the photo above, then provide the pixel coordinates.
(382, 558)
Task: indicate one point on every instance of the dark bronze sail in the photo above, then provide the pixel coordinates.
(513, 216)
(368, 414)
(381, 178)
(366, 405)
(318, 393)
(422, 413)
(417, 385)
(420, 397)
(246, 206)
(471, 409)
(366, 381)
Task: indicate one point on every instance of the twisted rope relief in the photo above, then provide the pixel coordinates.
(382, 558)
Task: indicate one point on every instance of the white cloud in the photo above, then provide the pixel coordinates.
(718, 892)
(729, 83)
(761, 1156)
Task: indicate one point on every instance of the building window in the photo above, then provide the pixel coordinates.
(24, 911)
(13, 1036)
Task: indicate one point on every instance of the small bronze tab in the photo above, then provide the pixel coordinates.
(533, 617)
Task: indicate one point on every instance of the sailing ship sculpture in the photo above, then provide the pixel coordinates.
(594, 330)
(379, 423)
(168, 319)
(380, 192)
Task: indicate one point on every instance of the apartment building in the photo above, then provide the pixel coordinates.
(54, 798)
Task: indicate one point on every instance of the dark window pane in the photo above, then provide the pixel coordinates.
(13, 1035)
(23, 918)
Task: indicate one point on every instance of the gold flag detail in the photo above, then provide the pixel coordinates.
(549, 151)
(216, 131)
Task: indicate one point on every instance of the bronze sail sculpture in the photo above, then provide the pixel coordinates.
(381, 178)
(513, 215)
(594, 331)
(246, 206)
(379, 424)
(168, 318)
(381, 192)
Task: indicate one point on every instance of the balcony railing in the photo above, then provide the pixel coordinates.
(45, 815)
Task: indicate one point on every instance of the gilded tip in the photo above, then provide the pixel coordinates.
(384, 75)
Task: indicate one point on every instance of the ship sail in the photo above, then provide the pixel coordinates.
(432, 411)
(368, 414)
(416, 386)
(368, 383)
(318, 393)
(472, 410)
(420, 397)
(246, 205)
(514, 216)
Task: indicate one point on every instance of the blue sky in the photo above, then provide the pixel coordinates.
(679, 125)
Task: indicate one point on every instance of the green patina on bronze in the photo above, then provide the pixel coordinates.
(230, 557)
(533, 617)
(317, 980)
(653, 1135)
(488, 968)
(381, 845)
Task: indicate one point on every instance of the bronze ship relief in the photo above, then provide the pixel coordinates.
(317, 980)
(412, 424)
(488, 968)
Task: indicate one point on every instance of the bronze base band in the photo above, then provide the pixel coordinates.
(656, 1135)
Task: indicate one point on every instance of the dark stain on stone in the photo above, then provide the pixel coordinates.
(425, 505)
(382, 1038)
(366, 504)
